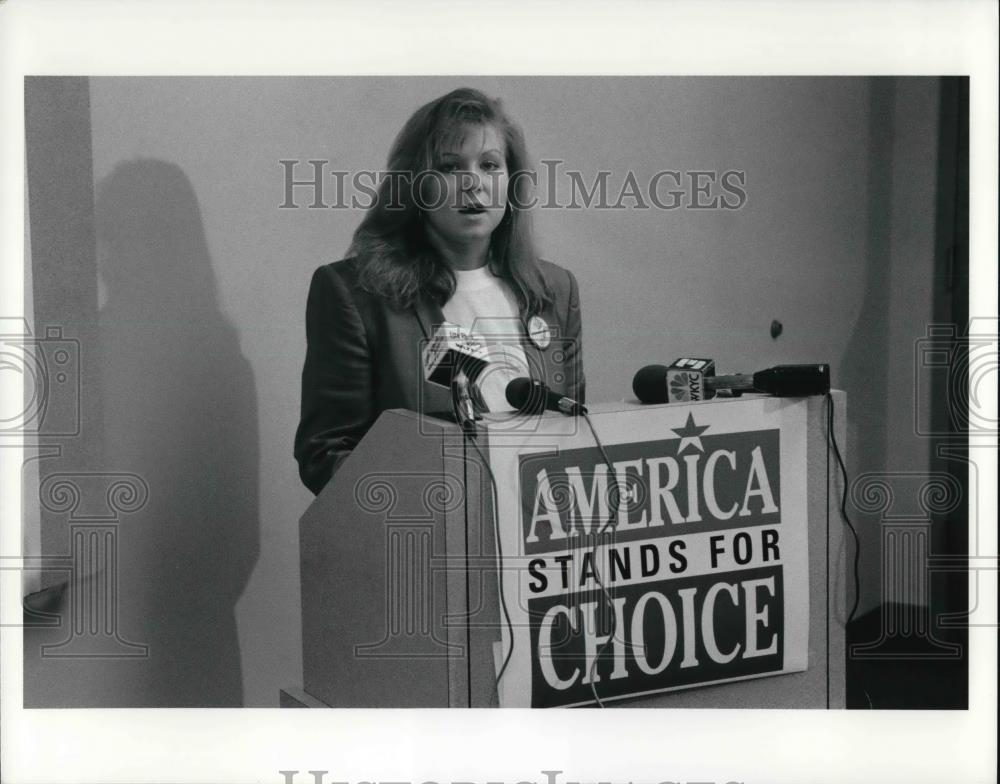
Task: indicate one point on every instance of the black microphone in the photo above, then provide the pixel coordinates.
(691, 380)
(529, 396)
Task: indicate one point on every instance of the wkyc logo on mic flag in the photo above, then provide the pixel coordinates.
(694, 564)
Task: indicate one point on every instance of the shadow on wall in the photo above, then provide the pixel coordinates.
(180, 410)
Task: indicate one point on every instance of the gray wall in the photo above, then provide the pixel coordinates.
(835, 241)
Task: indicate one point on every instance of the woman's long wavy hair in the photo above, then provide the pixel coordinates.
(395, 258)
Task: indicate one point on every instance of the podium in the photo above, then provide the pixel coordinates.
(400, 599)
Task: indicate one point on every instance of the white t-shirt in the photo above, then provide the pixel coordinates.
(485, 305)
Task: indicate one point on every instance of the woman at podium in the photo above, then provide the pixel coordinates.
(446, 240)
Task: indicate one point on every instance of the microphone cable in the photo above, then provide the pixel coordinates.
(831, 439)
(611, 522)
(470, 434)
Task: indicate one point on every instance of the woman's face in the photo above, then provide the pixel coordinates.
(466, 198)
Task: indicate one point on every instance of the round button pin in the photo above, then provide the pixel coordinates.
(538, 332)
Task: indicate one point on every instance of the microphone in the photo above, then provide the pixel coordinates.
(529, 396)
(465, 411)
(688, 380)
(451, 351)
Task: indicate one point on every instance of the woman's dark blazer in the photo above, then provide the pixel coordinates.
(363, 356)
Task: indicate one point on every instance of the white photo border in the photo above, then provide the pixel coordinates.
(102, 37)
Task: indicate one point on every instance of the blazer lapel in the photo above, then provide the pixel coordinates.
(535, 358)
(432, 399)
(429, 315)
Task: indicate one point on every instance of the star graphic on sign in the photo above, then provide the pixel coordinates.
(690, 435)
